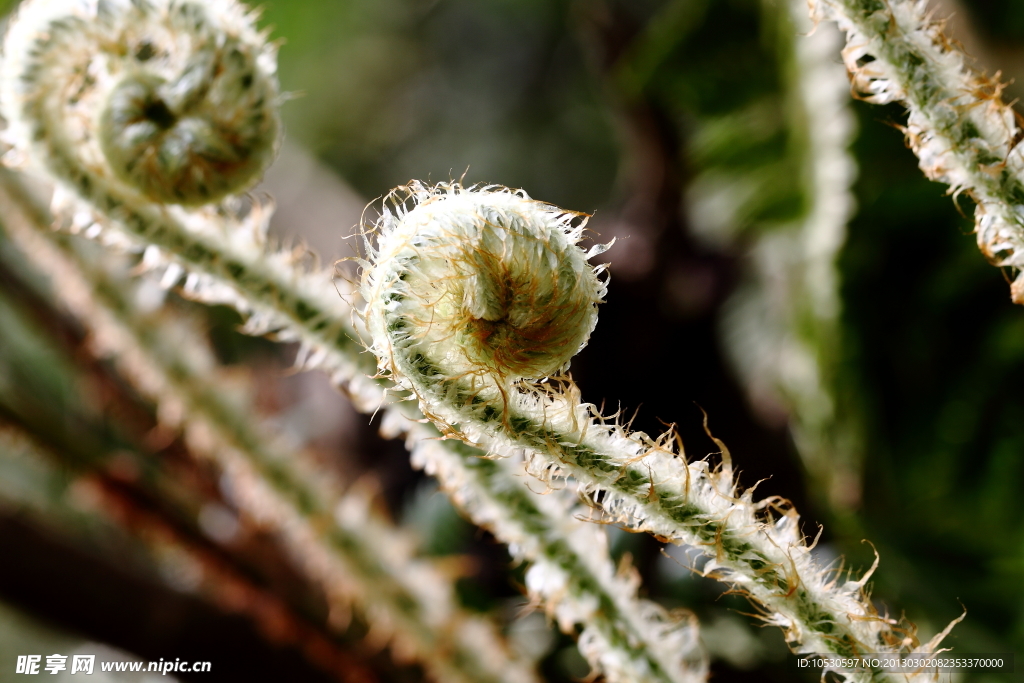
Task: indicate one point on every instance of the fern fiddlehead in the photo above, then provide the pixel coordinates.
(457, 286)
(179, 98)
(489, 284)
(423, 293)
(55, 98)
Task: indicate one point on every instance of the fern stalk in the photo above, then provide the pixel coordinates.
(962, 132)
(570, 573)
(226, 261)
(510, 266)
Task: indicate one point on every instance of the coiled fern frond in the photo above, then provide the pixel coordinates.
(176, 101)
(451, 259)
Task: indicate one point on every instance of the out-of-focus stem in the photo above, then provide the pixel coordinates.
(357, 556)
(782, 326)
(37, 480)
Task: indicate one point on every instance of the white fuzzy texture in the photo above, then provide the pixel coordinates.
(669, 640)
(962, 132)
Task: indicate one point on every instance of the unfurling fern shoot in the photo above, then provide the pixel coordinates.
(474, 289)
(458, 273)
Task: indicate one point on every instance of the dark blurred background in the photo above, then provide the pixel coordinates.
(635, 111)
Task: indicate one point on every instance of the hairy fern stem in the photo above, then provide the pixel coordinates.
(447, 253)
(962, 132)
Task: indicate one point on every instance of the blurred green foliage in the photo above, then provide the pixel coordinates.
(392, 90)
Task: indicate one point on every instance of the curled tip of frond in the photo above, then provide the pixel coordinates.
(174, 100)
(480, 281)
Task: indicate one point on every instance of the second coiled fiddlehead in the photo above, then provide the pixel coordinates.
(71, 70)
(174, 100)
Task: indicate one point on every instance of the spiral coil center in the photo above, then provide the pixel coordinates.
(483, 283)
(194, 136)
(173, 100)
